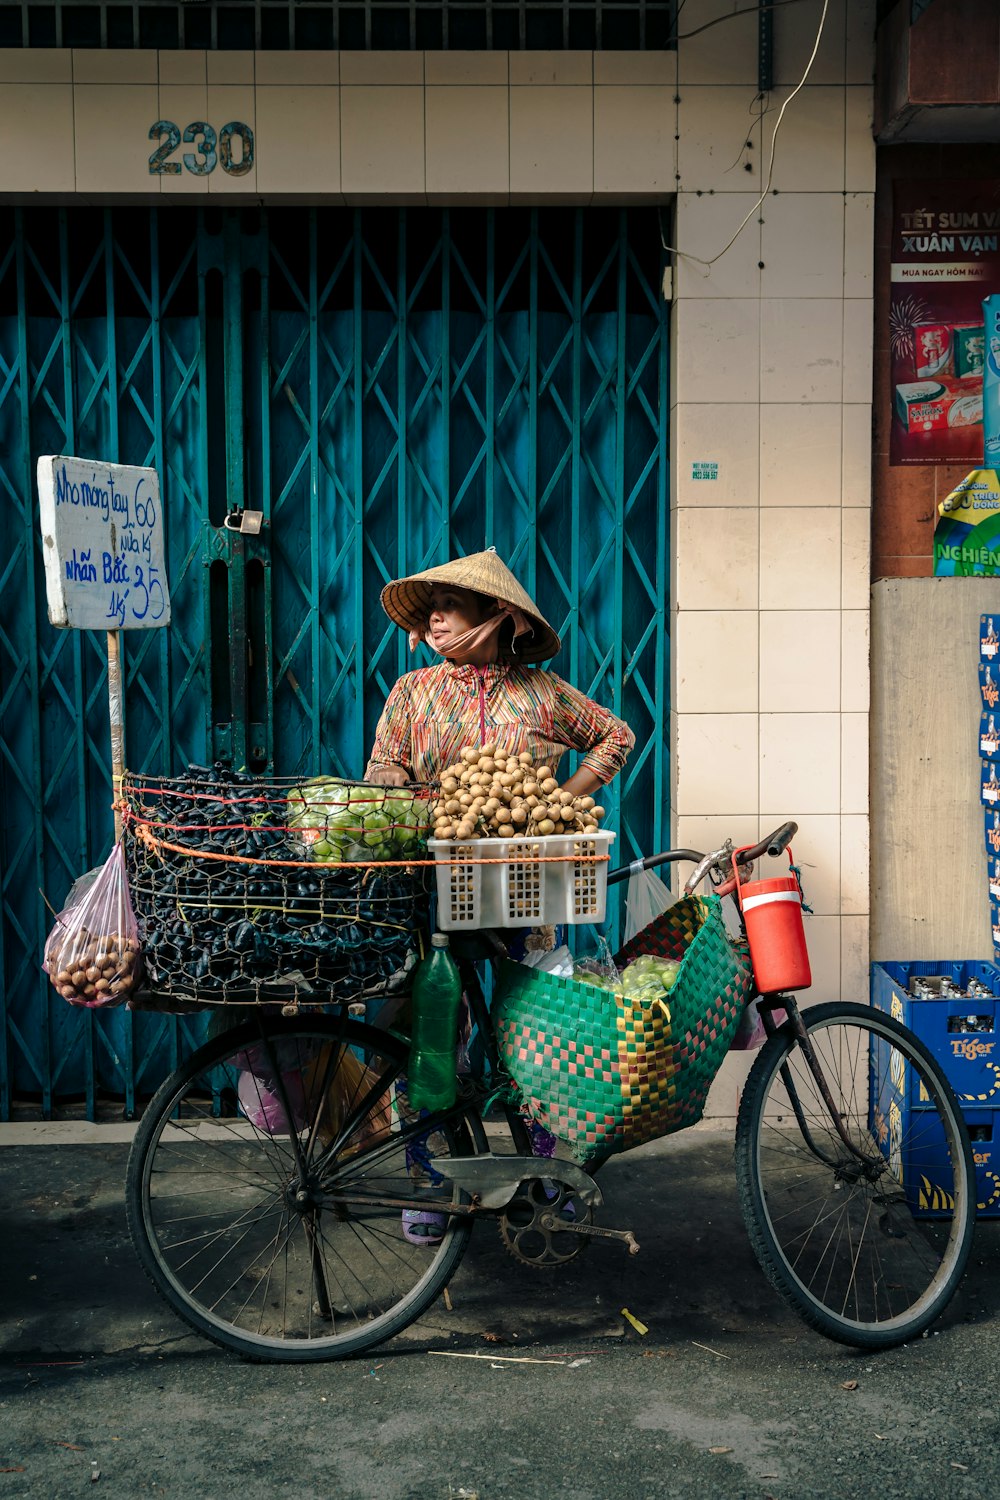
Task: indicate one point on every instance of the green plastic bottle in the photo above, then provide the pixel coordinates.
(437, 994)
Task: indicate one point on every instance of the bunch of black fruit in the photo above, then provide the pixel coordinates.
(255, 926)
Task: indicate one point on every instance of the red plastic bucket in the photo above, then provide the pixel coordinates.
(772, 915)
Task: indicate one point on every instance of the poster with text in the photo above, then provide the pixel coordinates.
(945, 260)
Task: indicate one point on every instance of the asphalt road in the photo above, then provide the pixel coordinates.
(727, 1395)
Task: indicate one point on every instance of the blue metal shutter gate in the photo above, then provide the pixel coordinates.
(389, 387)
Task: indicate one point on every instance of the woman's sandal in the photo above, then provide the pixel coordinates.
(422, 1227)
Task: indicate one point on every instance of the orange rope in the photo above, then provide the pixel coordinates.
(353, 864)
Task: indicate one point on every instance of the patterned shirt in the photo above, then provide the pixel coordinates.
(432, 713)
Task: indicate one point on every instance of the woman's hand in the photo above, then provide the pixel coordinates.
(388, 776)
(582, 783)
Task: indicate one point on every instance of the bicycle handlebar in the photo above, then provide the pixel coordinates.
(774, 844)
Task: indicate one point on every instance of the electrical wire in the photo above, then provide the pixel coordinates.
(749, 10)
(699, 260)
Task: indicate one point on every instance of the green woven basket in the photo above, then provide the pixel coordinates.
(605, 1072)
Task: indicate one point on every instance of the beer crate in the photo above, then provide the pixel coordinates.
(930, 1190)
(960, 1032)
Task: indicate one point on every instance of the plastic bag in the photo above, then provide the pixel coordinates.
(646, 899)
(598, 968)
(559, 961)
(93, 955)
(750, 1032)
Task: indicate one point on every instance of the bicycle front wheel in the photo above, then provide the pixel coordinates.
(265, 1189)
(862, 1215)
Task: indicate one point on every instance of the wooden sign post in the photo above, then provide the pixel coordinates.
(102, 542)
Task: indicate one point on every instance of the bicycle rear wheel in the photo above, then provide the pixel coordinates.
(265, 1188)
(867, 1241)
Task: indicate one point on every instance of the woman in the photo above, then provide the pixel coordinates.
(476, 616)
(489, 634)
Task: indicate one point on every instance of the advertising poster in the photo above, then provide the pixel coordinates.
(945, 261)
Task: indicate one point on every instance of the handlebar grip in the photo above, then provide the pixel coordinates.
(781, 838)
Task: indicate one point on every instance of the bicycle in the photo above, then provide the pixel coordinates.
(267, 1178)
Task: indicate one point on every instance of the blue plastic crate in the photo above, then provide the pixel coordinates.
(931, 1187)
(970, 1058)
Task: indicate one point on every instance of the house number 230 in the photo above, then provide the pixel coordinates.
(210, 149)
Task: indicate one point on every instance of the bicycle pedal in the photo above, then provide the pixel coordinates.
(556, 1225)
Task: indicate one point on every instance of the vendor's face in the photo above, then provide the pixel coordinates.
(452, 612)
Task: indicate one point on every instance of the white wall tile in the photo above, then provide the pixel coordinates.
(796, 28)
(382, 69)
(115, 65)
(230, 67)
(468, 142)
(809, 149)
(855, 963)
(467, 68)
(715, 661)
(859, 66)
(854, 660)
(799, 661)
(651, 67)
(725, 435)
(816, 850)
(800, 558)
(716, 759)
(36, 65)
(551, 142)
(717, 342)
(707, 831)
(859, 155)
(39, 117)
(705, 223)
(298, 67)
(715, 126)
(823, 937)
(857, 454)
(716, 558)
(858, 319)
(856, 560)
(310, 117)
(801, 349)
(802, 245)
(112, 137)
(634, 146)
(382, 138)
(859, 244)
(800, 454)
(701, 60)
(854, 762)
(182, 67)
(800, 763)
(854, 873)
(552, 68)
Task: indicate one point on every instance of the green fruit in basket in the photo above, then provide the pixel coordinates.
(323, 849)
(377, 831)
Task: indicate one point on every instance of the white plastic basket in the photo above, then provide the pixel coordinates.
(523, 890)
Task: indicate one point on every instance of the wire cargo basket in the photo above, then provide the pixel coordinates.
(249, 889)
(551, 879)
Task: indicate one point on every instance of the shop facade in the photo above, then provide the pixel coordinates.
(401, 302)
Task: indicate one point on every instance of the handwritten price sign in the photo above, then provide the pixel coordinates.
(102, 539)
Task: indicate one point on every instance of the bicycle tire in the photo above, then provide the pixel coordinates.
(867, 1251)
(214, 1175)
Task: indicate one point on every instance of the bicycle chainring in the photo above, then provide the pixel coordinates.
(521, 1229)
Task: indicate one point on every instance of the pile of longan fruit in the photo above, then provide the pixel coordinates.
(491, 793)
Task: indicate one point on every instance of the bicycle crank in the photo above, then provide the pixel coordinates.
(530, 1222)
(591, 1231)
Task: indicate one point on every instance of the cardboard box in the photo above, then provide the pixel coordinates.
(969, 351)
(989, 686)
(992, 830)
(929, 405)
(989, 735)
(989, 641)
(989, 784)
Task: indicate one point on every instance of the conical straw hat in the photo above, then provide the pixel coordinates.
(408, 600)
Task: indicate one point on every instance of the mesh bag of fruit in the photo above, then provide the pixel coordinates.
(251, 888)
(92, 953)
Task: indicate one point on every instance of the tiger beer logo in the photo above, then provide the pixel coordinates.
(982, 1158)
(970, 1049)
(991, 694)
(896, 1008)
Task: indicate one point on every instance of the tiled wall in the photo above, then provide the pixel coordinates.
(353, 127)
(772, 382)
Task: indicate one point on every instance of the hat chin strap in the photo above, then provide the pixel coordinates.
(481, 635)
